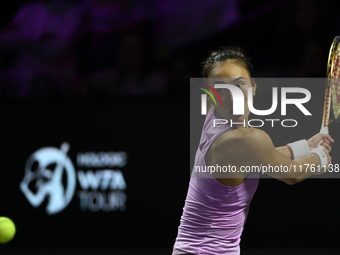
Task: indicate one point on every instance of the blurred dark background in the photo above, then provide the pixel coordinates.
(113, 75)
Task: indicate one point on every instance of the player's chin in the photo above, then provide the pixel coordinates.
(239, 119)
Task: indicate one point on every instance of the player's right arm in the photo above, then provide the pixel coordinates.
(253, 147)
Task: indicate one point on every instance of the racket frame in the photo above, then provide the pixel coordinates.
(328, 91)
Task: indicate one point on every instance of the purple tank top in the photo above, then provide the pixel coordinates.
(214, 215)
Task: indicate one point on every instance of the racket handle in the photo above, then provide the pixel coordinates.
(323, 130)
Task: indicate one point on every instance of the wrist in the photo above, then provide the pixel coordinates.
(298, 149)
(322, 158)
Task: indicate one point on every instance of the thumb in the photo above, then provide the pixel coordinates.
(327, 137)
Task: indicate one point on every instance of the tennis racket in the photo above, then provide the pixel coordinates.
(331, 108)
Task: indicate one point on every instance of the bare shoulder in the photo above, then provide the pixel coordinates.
(235, 147)
(241, 139)
(240, 146)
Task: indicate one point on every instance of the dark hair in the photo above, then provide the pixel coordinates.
(225, 53)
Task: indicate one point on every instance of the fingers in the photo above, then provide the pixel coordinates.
(326, 141)
(326, 145)
(327, 137)
(329, 159)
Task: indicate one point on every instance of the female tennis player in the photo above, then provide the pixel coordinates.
(216, 206)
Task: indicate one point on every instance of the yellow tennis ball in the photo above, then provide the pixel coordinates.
(7, 229)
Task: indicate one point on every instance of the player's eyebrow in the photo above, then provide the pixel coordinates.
(238, 79)
(230, 81)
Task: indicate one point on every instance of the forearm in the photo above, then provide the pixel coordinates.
(307, 166)
(294, 170)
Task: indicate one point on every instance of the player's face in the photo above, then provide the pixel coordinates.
(232, 73)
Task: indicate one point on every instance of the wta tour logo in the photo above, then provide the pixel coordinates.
(50, 174)
(238, 103)
(44, 173)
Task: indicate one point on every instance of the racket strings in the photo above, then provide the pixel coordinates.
(330, 57)
(335, 83)
(333, 69)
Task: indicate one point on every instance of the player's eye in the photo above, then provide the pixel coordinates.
(239, 85)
